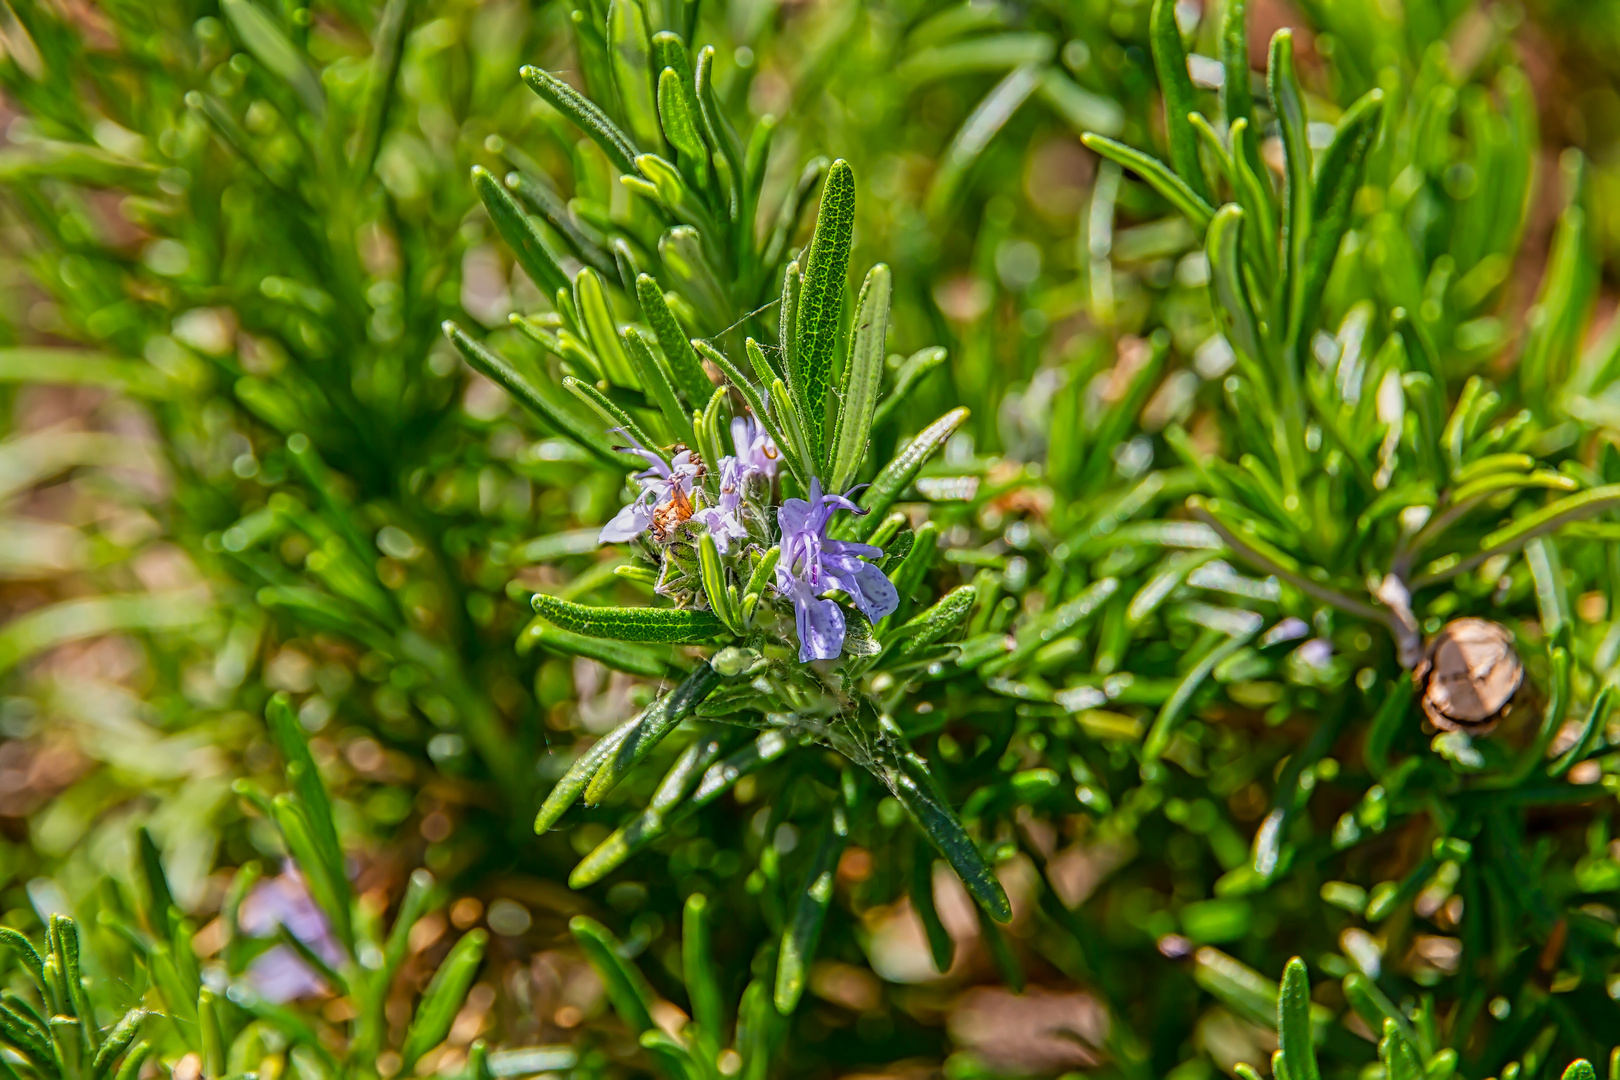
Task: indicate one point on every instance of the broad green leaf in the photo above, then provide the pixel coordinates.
(1294, 1022)
(443, 998)
(1170, 61)
(521, 236)
(652, 625)
(863, 376)
(658, 720)
(800, 936)
(550, 407)
(816, 325)
(620, 151)
(898, 474)
(1173, 188)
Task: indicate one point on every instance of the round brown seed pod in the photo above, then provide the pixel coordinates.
(1469, 676)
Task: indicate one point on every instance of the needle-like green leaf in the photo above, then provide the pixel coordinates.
(1170, 61)
(863, 376)
(816, 322)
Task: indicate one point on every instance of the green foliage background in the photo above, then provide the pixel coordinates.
(270, 538)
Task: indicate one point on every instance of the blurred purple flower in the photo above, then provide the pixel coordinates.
(662, 486)
(812, 563)
(279, 975)
(1316, 653)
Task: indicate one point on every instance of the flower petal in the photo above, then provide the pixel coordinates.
(820, 625)
(872, 592)
(627, 524)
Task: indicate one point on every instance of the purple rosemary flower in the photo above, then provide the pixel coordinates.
(812, 563)
(664, 500)
(756, 453)
(724, 519)
(280, 975)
